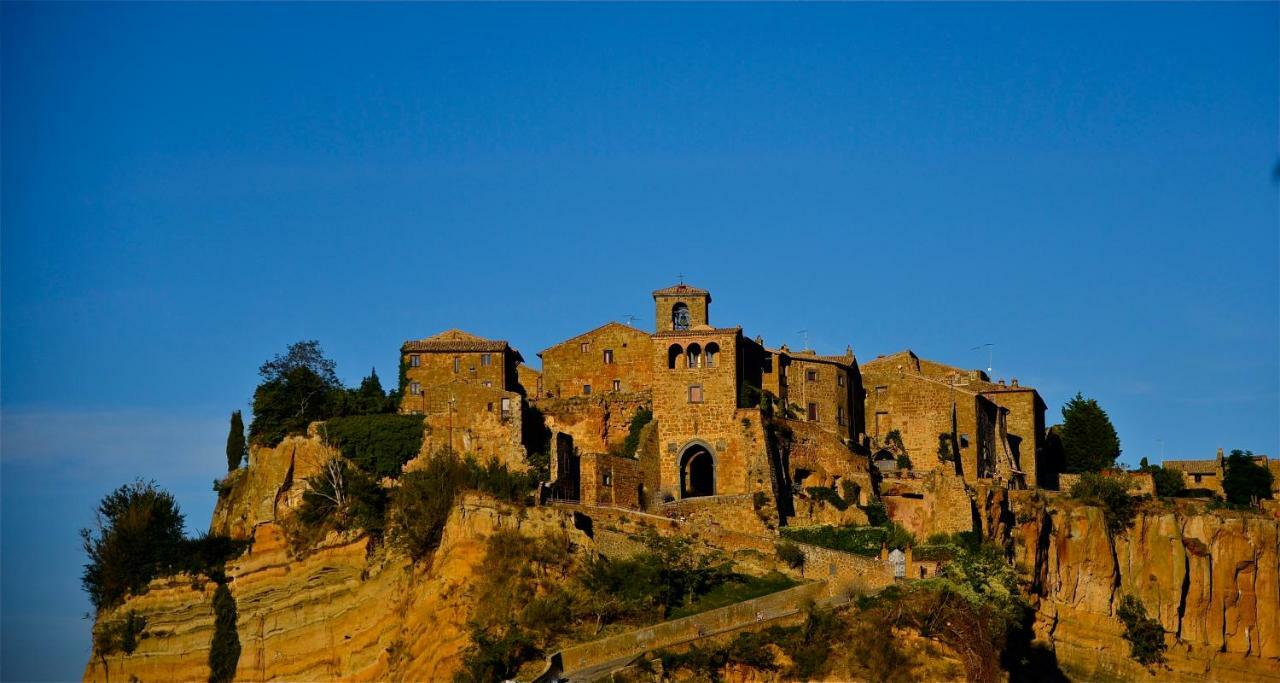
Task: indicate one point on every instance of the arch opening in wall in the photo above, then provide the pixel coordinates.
(712, 354)
(694, 355)
(697, 472)
(673, 356)
(680, 319)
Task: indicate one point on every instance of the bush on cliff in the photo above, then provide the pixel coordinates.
(1109, 493)
(1245, 480)
(137, 537)
(342, 497)
(118, 635)
(1168, 481)
(377, 444)
(1145, 635)
(1089, 441)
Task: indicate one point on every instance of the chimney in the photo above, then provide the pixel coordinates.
(1001, 382)
(1014, 381)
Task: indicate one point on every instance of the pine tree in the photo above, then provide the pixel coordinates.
(1089, 441)
(235, 442)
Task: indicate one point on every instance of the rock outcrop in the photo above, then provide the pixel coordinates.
(1211, 578)
(347, 610)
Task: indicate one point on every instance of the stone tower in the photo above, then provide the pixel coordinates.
(681, 307)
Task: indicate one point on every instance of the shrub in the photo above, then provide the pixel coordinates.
(1244, 480)
(642, 417)
(342, 497)
(224, 649)
(827, 495)
(208, 554)
(1110, 494)
(138, 537)
(849, 492)
(1168, 481)
(118, 635)
(1145, 635)
(877, 515)
(377, 444)
(759, 499)
(791, 554)
(904, 462)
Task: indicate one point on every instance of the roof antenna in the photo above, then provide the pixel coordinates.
(681, 276)
(804, 334)
(988, 347)
(630, 318)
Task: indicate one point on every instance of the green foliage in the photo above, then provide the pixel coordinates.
(236, 446)
(827, 495)
(425, 497)
(368, 399)
(118, 635)
(377, 444)
(1089, 441)
(642, 417)
(849, 492)
(1168, 481)
(734, 589)
(904, 462)
(1145, 635)
(208, 554)
(298, 388)
(894, 441)
(857, 539)
(877, 515)
(1245, 480)
(791, 554)
(342, 497)
(224, 649)
(138, 537)
(1109, 493)
(945, 451)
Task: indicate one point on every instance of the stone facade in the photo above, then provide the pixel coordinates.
(824, 390)
(613, 358)
(474, 420)
(670, 301)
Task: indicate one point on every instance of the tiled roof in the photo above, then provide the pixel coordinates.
(1192, 465)
(455, 340)
(696, 332)
(592, 331)
(681, 290)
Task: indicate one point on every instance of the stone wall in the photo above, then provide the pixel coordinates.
(610, 480)
(471, 420)
(435, 369)
(827, 385)
(611, 353)
(597, 423)
(530, 381)
(937, 502)
(1140, 483)
(1025, 423)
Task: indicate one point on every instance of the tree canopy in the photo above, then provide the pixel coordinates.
(138, 537)
(1089, 441)
(1245, 480)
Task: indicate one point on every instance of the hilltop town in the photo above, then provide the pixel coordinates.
(683, 503)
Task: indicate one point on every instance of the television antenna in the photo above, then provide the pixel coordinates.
(988, 346)
(804, 335)
(630, 318)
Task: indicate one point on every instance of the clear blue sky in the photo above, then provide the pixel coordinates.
(187, 188)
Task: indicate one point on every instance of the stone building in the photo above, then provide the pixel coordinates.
(824, 390)
(613, 358)
(989, 430)
(1208, 474)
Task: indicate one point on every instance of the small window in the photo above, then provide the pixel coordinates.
(811, 375)
(415, 388)
(608, 479)
(695, 393)
(608, 356)
(1196, 477)
(617, 385)
(813, 412)
(839, 379)
(457, 364)
(506, 407)
(582, 347)
(840, 415)
(415, 360)
(586, 389)
(881, 392)
(487, 383)
(489, 406)
(486, 359)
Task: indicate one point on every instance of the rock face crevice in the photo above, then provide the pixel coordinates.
(1211, 578)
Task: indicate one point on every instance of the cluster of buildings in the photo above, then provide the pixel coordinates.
(731, 417)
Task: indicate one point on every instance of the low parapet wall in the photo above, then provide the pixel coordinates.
(668, 633)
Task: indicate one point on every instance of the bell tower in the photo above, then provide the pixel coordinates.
(680, 307)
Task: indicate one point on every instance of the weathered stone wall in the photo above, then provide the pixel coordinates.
(435, 369)
(530, 381)
(825, 384)
(1025, 424)
(610, 480)
(572, 365)
(1140, 483)
(471, 419)
(698, 303)
(596, 423)
(937, 502)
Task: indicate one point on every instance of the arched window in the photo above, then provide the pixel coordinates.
(713, 354)
(695, 356)
(673, 355)
(680, 317)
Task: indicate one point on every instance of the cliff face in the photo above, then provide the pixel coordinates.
(1211, 578)
(345, 611)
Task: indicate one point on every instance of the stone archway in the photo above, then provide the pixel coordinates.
(697, 472)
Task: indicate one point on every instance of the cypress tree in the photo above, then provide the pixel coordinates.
(235, 442)
(1089, 441)
(224, 649)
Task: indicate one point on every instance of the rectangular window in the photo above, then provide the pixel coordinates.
(813, 412)
(457, 364)
(415, 388)
(608, 356)
(617, 385)
(881, 392)
(415, 360)
(811, 375)
(695, 393)
(486, 359)
(487, 383)
(840, 415)
(839, 380)
(608, 479)
(882, 423)
(489, 406)
(586, 389)
(506, 408)
(582, 347)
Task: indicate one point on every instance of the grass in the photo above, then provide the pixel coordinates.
(737, 589)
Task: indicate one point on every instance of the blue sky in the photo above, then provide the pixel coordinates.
(187, 188)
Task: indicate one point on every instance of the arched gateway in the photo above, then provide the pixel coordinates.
(697, 472)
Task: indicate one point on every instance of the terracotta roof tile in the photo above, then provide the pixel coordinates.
(680, 290)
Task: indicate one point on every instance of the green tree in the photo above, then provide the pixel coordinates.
(138, 536)
(224, 649)
(1089, 441)
(235, 442)
(298, 388)
(1245, 480)
(1168, 481)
